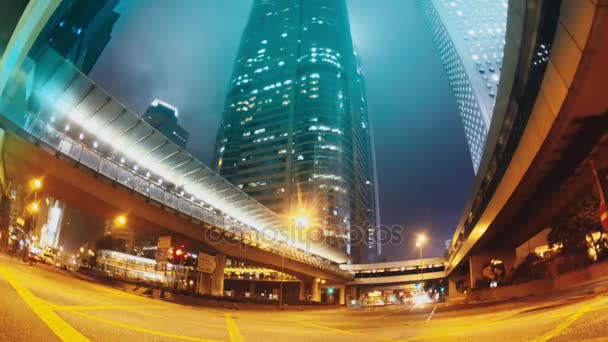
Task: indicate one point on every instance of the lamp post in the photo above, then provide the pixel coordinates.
(32, 209)
(419, 243)
(300, 222)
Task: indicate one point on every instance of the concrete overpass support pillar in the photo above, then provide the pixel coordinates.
(302, 295)
(454, 294)
(480, 266)
(252, 289)
(217, 277)
(342, 289)
(351, 292)
(316, 290)
(204, 284)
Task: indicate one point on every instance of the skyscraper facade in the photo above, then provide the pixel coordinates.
(163, 117)
(80, 30)
(295, 133)
(470, 37)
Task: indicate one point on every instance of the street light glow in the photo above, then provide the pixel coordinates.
(301, 221)
(120, 220)
(36, 184)
(34, 207)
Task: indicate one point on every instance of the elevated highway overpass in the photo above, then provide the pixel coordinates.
(549, 122)
(392, 275)
(98, 155)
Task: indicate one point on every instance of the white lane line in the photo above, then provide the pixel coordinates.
(413, 307)
(431, 314)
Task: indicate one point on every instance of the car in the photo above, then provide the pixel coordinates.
(35, 257)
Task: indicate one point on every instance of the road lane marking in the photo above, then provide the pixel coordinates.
(101, 307)
(233, 329)
(566, 323)
(60, 327)
(140, 329)
(431, 314)
(310, 324)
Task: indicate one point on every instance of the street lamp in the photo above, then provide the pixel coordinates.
(301, 220)
(34, 207)
(36, 184)
(120, 220)
(419, 243)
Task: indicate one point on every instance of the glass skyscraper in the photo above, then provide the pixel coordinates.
(470, 37)
(295, 133)
(80, 30)
(163, 117)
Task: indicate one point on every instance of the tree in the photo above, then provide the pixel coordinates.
(574, 230)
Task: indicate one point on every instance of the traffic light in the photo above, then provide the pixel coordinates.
(442, 290)
(179, 254)
(330, 290)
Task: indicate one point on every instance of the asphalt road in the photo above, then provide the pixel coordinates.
(37, 304)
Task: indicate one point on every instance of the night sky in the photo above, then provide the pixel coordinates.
(183, 52)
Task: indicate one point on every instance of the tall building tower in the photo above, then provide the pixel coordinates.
(470, 37)
(295, 133)
(163, 117)
(80, 30)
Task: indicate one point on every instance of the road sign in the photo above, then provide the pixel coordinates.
(164, 242)
(206, 263)
(162, 247)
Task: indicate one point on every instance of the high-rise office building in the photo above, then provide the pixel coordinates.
(470, 37)
(80, 30)
(163, 117)
(295, 133)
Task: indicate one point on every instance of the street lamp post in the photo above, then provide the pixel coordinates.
(32, 210)
(419, 243)
(300, 222)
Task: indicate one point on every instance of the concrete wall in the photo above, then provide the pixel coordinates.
(561, 282)
(528, 247)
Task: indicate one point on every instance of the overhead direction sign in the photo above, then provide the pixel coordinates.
(206, 263)
(162, 247)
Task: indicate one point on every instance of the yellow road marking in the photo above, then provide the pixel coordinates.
(102, 307)
(148, 314)
(233, 330)
(140, 329)
(310, 324)
(447, 329)
(60, 327)
(565, 324)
